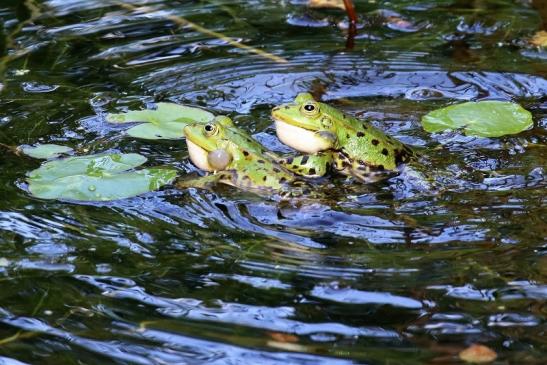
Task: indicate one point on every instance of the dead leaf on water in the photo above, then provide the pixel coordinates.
(478, 354)
(283, 337)
(399, 23)
(287, 346)
(330, 4)
(539, 39)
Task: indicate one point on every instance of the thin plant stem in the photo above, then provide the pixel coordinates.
(350, 9)
(180, 21)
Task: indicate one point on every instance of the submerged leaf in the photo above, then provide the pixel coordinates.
(96, 178)
(165, 122)
(44, 151)
(484, 118)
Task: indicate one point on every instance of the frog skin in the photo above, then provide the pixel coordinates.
(235, 158)
(352, 147)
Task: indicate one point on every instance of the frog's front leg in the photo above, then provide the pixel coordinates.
(202, 182)
(315, 165)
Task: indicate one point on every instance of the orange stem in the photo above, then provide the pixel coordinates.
(350, 9)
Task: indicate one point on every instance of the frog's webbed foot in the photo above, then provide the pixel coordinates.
(315, 165)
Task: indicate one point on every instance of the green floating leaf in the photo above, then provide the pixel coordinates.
(101, 177)
(44, 151)
(484, 118)
(165, 122)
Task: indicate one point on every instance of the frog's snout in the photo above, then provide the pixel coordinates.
(275, 111)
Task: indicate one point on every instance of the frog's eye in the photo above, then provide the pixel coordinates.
(210, 129)
(310, 108)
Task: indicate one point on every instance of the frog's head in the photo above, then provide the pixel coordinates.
(303, 125)
(207, 144)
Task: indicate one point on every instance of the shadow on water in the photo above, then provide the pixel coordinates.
(380, 273)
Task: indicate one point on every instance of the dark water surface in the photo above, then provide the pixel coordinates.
(378, 274)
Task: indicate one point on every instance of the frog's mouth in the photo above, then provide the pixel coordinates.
(301, 139)
(198, 156)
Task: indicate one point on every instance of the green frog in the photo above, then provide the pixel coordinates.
(235, 158)
(331, 138)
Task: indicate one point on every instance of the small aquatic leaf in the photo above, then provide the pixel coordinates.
(165, 122)
(44, 151)
(539, 39)
(96, 178)
(169, 130)
(484, 118)
(478, 354)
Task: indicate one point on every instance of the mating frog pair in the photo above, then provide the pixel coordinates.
(329, 138)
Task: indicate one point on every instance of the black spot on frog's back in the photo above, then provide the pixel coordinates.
(360, 134)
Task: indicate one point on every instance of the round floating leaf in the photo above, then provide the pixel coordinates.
(44, 151)
(169, 130)
(484, 118)
(165, 122)
(96, 178)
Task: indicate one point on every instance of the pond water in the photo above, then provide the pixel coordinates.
(376, 274)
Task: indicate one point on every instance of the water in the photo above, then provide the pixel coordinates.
(378, 274)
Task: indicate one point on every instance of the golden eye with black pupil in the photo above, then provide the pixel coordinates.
(210, 129)
(310, 108)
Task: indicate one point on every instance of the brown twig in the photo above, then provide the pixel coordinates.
(34, 10)
(9, 148)
(180, 21)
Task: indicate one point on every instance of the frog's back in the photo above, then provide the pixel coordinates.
(365, 145)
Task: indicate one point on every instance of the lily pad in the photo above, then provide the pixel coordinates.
(484, 118)
(44, 151)
(102, 177)
(165, 122)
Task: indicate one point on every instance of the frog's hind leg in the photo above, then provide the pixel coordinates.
(360, 170)
(315, 165)
(203, 182)
(367, 174)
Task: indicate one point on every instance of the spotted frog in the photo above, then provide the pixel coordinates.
(332, 138)
(235, 158)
